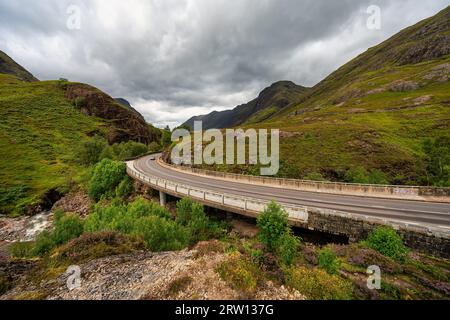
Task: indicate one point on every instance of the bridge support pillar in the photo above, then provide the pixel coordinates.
(162, 199)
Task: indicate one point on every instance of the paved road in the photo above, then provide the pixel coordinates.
(422, 213)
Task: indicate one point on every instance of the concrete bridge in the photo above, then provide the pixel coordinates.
(423, 222)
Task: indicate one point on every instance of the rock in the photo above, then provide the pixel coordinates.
(74, 202)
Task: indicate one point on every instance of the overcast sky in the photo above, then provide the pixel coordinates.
(173, 59)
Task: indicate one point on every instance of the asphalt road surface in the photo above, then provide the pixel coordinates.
(414, 212)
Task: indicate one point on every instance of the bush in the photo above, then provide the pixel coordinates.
(386, 241)
(154, 147)
(317, 284)
(184, 210)
(106, 176)
(43, 244)
(240, 273)
(288, 248)
(91, 150)
(125, 188)
(314, 176)
(22, 250)
(438, 161)
(272, 224)
(67, 227)
(91, 246)
(361, 175)
(161, 235)
(193, 216)
(141, 219)
(80, 102)
(329, 261)
(128, 150)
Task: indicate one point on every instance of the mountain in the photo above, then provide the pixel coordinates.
(9, 66)
(43, 125)
(270, 101)
(378, 118)
(125, 103)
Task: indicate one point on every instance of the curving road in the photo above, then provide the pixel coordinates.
(415, 212)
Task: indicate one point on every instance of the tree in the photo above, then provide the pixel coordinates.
(273, 224)
(106, 176)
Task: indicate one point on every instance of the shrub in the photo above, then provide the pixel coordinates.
(67, 227)
(378, 177)
(361, 175)
(438, 161)
(193, 216)
(386, 241)
(106, 176)
(184, 211)
(161, 235)
(314, 176)
(288, 248)
(273, 224)
(329, 261)
(154, 147)
(240, 273)
(43, 244)
(22, 250)
(357, 175)
(130, 149)
(91, 150)
(199, 223)
(125, 188)
(91, 246)
(80, 102)
(317, 284)
(141, 219)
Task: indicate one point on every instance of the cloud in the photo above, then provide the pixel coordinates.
(173, 59)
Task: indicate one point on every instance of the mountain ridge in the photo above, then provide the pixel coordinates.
(271, 100)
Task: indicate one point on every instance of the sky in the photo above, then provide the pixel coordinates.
(173, 59)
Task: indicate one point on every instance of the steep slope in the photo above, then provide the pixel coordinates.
(125, 103)
(271, 100)
(43, 124)
(9, 66)
(377, 111)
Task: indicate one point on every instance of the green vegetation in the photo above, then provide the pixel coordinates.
(107, 176)
(275, 233)
(192, 215)
(240, 273)
(438, 160)
(66, 228)
(273, 225)
(368, 121)
(386, 241)
(140, 218)
(329, 261)
(317, 284)
(39, 133)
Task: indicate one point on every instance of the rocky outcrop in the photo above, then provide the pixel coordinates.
(126, 125)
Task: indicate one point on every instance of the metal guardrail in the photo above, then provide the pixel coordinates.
(298, 213)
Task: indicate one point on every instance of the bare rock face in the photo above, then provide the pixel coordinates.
(74, 202)
(127, 125)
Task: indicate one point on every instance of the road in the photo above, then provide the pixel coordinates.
(414, 212)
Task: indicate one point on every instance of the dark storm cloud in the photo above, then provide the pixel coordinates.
(177, 58)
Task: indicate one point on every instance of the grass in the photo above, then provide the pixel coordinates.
(39, 134)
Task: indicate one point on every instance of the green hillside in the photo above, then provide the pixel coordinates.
(9, 66)
(387, 110)
(43, 126)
